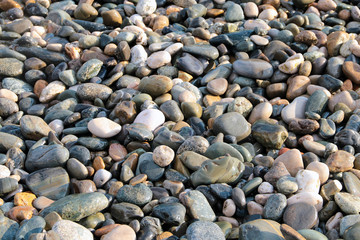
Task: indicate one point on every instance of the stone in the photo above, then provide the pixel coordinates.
(112, 18)
(201, 230)
(170, 213)
(340, 161)
(70, 230)
(347, 202)
(261, 228)
(253, 68)
(308, 181)
(292, 160)
(155, 85)
(275, 206)
(124, 231)
(89, 70)
(297, 86)
(7, 107)
(77, 206)
(269, 134)
(334, 42)
(53, 183)
(34, 225)
(300, 216)
(8, 228)
(153, 118)
(103, 127)
(158, 59)
(11, 67)
(220, 170)
(33, 127)
(295, 110)
(91, 91)
(51, 91)
(321, 168)
(163, 155)
(292, 64)
(261, 111)
(198, 205)
(226, 123)
(144, 7)
(46, 156)
(352, 71)
(139, 194)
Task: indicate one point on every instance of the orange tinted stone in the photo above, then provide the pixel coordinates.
(1, 202)
(114, 188)
(117, 151)
(214, 12)
(39, 86)
(172, 9)
(21, 213)
(186, 77)
(163, 235)
(179, 125)
(283, 150)
(91, 170)
(209, 100)
(98, 163)
(348, 85)
(131, 161)
(104, 230)
(8, 4)
(160, 22)
(141, 178)
(24, 199)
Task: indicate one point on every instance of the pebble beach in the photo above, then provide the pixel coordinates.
(179, 120)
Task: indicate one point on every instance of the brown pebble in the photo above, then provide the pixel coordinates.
(290, 233)
(117, 151)
(98, 163)
(106, 229)
(21, 213)
(39, 86)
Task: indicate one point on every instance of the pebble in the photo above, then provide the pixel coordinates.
(103, 127)
(70, 230)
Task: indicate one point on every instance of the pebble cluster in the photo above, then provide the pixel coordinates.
(180, 119)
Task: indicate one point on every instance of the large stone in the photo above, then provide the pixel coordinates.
(33, 127)
(219, 170)
(77, 206)
(260, 229)
(198, 206)
(53, 183)
(269, 134)
(11, 67)
(203, 230)
(253, 68)
(46, 156)
(155, 85)
(232, 123)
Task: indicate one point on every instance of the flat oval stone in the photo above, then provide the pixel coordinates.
(11, 67)
(312, 234)
(198, 206)
(253, 68)
(190, 64)
(95, 144)
(53, 183)
(201, 230)
(155, 85)
(103, 127)
(153, 118)
(139, 194)
(91, 91)
(170, 213)
(8, 141)
(232, 123)
(352, 71)
(46, 156)
(77, 206)
(317, 102)
(72, 231)
(33, 127)
(202, 50)
(300, 216)
(158, 59)
(126, 212)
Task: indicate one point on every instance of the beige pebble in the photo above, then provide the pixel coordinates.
(163, 155)
(5, 93)
(261, 111)
(103, 127)
(321, 168)
(229, 208)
